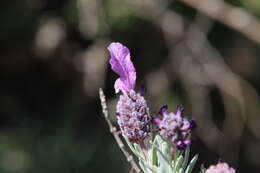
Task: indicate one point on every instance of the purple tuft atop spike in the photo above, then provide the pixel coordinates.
(121, 64)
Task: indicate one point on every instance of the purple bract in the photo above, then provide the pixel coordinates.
(121, 64)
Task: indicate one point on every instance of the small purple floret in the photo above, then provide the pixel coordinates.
(181, 145)
(188, 142)
(175, 128)
(121, 64)
(163, 109)
(179, 111)
(141, 91)
(157, 121)
(193, 124)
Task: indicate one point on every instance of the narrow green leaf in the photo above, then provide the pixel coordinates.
(161, 154)
(130, 145)
(178, 153)
(146, 167)
(178, 164)
(192, 163)
(164, 166)
(158, 140)
(166, 150)
(152, 157)
(142, 166)
(139, 150)
(202, 169)
(186, 158)
(134, 150)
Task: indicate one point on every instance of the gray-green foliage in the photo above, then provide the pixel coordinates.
(158, 157)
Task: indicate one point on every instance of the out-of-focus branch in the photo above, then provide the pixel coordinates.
(234, 17)
(113, 130)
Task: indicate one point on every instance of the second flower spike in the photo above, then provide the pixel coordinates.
(175, 128)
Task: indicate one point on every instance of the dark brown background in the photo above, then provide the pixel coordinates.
(53, 59)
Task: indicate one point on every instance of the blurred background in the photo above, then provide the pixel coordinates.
(203, 54)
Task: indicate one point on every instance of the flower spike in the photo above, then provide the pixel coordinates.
(174, 127)
(133, 117)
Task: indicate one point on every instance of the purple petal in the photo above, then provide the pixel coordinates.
(180, 109)
(163, 109)
(193, 124)
(157, 121)
(141, 90)
(188, 142)
(181, 145)
(186, 124)
(121, 64)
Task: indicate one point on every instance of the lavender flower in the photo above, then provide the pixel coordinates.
(220, 168)
(121, 64)
(133, 117)
(175, 128)
(132, 112)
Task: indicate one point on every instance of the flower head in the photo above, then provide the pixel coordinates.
(132, 112)
(133, 116)
(220, 168)
(121, 64)
(174, 127)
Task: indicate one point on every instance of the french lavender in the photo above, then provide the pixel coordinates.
(132, 112)
(161, 143)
